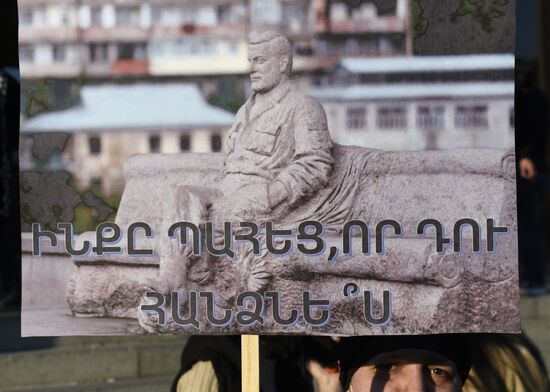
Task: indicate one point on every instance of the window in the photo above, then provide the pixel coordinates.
(127, 16)
(154, 143)
(209, 46)
(352, 47)
(185, 143)
(391, 117)
(26, 53)
(265, 12)
(25, 16)
(140, 52)
(65, 15)
(471, 117)
(338, 12)
(98, 52)
(350, 11)
(95, 16)
(59, 53)
(94, 144)
(356, 118)
(216, 142)
(232, 47)
(171, 15)
(125, 51)
(194, 47)
(223, 13)
(385, 46)
(430, 117)
(131, 51)
(156, 14)
(295, 16)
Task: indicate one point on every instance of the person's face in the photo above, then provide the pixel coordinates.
(265, 68)
(406, 370)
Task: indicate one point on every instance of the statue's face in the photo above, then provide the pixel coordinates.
(265, 68)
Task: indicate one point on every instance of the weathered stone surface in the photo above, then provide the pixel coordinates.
(109, 290)
(480, 295)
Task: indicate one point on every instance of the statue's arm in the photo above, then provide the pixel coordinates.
(235, 128)
(312, 161)
(231, 136)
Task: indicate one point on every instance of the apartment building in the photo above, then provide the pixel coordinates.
(104, 38)
(417, 103)
(362, 28)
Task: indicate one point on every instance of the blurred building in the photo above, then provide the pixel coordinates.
(113, 122)
(362, 28)
(416, 103)
(106, 38)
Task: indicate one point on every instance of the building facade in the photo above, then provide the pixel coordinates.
(113, 122)
(417, 103)
(104, 38)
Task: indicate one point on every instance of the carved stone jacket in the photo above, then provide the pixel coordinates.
(287, 141)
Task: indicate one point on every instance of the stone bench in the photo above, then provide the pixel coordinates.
(431, 292)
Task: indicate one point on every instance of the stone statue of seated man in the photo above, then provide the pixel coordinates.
(279, 148)
(278, 151)
(278, 154)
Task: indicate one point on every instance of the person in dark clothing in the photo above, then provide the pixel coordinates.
(506, 362)
(220, 369)
(10, 265)
(399, 363)
(531, 139)
(213, 363)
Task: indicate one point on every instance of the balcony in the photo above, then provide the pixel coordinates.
(54, 70)
(130, 67)
(115, 34)
(29, 34)
(380, 25)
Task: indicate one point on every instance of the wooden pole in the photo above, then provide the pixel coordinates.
(250, 363)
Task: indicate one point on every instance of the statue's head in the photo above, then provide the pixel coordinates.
(270, 58)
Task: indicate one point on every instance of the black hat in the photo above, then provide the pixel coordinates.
(354, 352)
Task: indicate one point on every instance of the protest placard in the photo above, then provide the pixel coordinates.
(358, 187)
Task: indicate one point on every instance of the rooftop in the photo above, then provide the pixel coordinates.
(409, 64)
(113, 107)
(414, 90)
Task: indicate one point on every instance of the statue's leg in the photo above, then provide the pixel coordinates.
(184, 205)
(244, 201)
(175, 261)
